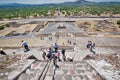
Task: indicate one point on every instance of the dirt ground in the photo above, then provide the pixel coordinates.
(91, 25)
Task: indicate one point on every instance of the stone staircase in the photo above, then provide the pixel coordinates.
(66, 71)
(72, 71)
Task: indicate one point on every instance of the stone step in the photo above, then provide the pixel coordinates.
(78, 55)
(35, 70)
(71, 71)
(14, 70)
(76, 70)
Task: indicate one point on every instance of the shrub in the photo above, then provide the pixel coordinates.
(118, 22)
(1, 27)
(7, 25)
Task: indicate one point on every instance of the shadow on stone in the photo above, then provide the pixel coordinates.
(32, 57)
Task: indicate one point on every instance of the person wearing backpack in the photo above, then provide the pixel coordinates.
(63, 54)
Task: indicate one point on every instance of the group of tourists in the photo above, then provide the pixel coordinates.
(51, 53)
(54, 54)
(74, 43)
(90, 46)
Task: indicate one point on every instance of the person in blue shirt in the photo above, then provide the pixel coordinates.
(50, 53)
(56, 47)
(24, 44)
